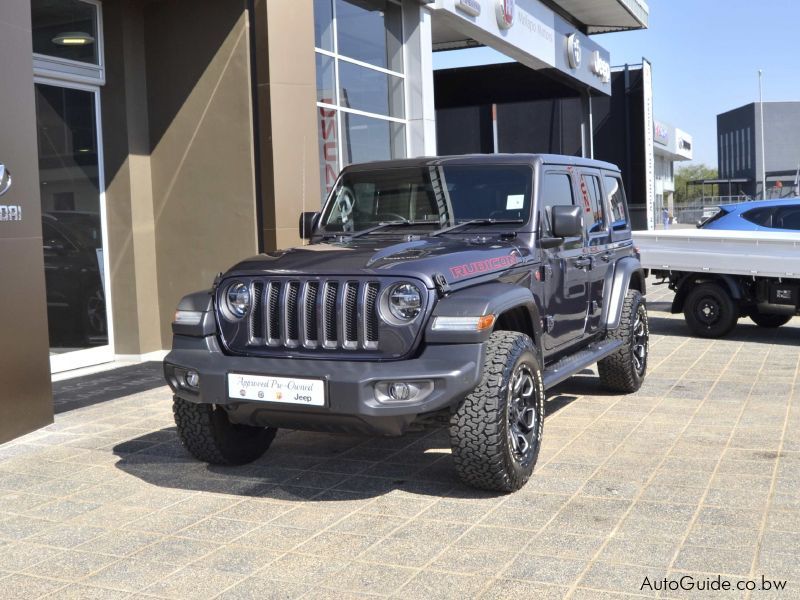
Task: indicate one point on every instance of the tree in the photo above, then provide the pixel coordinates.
(691, 172)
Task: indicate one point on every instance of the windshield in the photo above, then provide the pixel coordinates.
(437, 196)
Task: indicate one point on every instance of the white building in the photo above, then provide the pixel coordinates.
(670, 145)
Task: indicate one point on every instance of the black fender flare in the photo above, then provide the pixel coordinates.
(201, 302)
(481, 300)
(688, 281)
(627, 273)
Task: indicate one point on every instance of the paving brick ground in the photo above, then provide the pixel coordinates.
(696, 474)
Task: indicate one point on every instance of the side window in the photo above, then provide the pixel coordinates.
(616, 203)
(760, 216)
(594, 214)
(788, 218)
(557, 191)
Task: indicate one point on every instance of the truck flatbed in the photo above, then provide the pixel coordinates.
(748, 253)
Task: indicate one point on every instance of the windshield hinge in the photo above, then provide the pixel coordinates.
(442, 287)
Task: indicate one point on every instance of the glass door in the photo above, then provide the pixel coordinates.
(73, 225)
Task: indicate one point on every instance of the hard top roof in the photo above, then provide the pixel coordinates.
(488, 159)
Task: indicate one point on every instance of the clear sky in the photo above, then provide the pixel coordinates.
(706, 55)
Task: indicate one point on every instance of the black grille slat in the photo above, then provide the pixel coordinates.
(257, 317)
(350, 312)
(274, 313)
(310, 304)
(371, 314)
(331, 291)
(292, 313)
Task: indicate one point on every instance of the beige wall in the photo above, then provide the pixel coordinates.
(26, 397)
(288, 142)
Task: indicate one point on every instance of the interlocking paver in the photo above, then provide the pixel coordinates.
(697, 473)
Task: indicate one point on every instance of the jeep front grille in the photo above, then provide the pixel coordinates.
(328, 314)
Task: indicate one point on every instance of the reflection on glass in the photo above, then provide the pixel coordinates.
(367, 139)
(371, 32)
(71, 228)
(370, 91)
(327, 127)
(326, 81)
(65, 29)
(323, 24)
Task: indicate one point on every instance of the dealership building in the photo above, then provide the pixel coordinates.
(147, 145)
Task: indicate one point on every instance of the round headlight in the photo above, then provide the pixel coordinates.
(404, 302)
(237, 299)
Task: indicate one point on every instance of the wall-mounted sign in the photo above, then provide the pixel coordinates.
(470, 7)
(600, 67)
(573, 51)
(505, 10)
(10, 212)
(661, 133)
(5, 179)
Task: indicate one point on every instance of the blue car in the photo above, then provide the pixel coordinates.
(761, 215)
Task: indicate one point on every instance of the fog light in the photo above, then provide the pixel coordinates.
(390, 392)
(399, 391)
(192, 379)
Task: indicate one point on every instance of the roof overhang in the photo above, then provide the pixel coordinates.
(603, 16)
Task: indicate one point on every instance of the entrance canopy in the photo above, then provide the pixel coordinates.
(538, 36)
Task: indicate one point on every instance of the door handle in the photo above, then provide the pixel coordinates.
(606, 256)
(583, 262)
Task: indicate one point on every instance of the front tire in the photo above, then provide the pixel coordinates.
(769, 321)
(496, 432)
(208, 435)
(624, 370)
(710, 311)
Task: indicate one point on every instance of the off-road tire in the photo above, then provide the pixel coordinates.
(483, 452)
(769, 321)
(619, 371)
(206, 432)
(710, 295)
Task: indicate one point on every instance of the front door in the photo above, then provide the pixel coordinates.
(73, 217)
(565, 269)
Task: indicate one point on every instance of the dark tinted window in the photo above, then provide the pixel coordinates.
(556, 191)
(760, 216)
(592, 203)
(788, 217)
(616, 202)
(65, 29)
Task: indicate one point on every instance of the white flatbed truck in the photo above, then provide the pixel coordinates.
(719, 276)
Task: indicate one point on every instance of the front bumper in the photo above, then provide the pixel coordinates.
(351, 402)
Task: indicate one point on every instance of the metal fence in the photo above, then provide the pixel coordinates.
(694, 211)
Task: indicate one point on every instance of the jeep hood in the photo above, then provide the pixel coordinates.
(456, 258)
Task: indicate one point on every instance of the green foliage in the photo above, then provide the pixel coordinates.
(691, 172)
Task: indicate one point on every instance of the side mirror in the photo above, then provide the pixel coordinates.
(567, 221)
(308, 221)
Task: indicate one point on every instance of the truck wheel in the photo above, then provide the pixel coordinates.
(206, 432)
(769, 321)
(624, 370)
(496, 432)
(710, 311)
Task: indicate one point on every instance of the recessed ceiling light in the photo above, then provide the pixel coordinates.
(73, 38)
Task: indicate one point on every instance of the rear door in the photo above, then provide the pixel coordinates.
(598, 242)
(565, 267)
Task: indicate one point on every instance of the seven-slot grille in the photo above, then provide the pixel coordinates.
(330, 314)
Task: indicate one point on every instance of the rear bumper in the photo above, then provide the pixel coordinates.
(351, 401)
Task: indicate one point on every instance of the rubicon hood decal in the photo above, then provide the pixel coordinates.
(484, 266)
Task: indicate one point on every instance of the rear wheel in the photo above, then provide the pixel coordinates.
(769, 321)
(710, 311)
(496, 432)
(208, 434)
(624, 370)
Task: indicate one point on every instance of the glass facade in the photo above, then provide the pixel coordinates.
(65, 29)
(361, 112)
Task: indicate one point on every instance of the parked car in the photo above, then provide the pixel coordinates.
(759, 215)
(457, 287)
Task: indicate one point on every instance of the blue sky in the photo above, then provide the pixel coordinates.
(706, 55)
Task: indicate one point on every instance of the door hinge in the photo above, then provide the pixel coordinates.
(442, 287)
(549, 323)
(545, 272)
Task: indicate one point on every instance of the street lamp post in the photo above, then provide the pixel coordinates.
(763, 159)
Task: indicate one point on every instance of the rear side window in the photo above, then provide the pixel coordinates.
(616, 203)
(760, 216)
(594, 218)
(787, 217)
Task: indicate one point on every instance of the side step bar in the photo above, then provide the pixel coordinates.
(572, 364)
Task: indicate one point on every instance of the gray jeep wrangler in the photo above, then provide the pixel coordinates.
(461, 286)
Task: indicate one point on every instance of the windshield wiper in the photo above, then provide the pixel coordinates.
(379, 226)
(477, 222)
